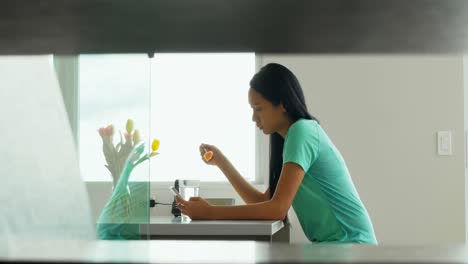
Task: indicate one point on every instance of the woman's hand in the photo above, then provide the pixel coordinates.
(217, 158)
(197, 208)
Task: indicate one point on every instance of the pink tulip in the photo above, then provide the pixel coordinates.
(109, 130)
(101, 131)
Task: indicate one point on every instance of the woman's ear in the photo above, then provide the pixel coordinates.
(283, 109)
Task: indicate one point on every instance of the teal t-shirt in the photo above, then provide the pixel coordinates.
(327, 204)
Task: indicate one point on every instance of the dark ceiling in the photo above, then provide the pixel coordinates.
(263, 26)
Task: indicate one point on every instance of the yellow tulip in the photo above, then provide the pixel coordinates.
(129, 126)
(136, 136)
(155, 145)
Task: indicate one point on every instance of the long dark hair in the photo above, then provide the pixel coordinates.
(278, 84)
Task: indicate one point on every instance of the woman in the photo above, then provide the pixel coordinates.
(306, 170)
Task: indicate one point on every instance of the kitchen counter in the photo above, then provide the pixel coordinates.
(174, 228)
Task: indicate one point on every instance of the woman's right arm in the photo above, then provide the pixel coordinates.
(246, 191)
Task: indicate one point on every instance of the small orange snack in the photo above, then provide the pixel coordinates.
(208, 155)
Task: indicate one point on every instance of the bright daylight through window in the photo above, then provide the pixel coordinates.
(182, 99)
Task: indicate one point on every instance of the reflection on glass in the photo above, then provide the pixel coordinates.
(114, 145)
(126, 209)
(112, 89)
(116, 154)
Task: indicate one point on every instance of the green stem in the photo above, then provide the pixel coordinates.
(141, 160)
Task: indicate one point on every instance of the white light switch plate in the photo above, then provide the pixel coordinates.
(444, 142)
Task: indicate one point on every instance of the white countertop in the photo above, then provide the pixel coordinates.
(174, 226)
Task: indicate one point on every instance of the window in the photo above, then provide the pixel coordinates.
(181, 99)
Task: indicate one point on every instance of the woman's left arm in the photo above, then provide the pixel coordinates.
(274, 209)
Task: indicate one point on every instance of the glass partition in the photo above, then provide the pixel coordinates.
(114, 144)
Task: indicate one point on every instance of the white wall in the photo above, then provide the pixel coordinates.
(383, 113)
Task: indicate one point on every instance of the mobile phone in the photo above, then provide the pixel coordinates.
(175, 192)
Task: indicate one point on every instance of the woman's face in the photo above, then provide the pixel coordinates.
(267, 117)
